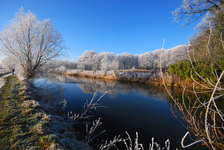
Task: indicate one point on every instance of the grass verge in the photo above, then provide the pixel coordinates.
(29, 124)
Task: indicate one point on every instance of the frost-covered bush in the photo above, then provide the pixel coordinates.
(72, 71)
(88, 73)
(100, 73)
(86, 57)
(135, 75)
(111, 73)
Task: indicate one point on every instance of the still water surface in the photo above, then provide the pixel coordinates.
(131, 107)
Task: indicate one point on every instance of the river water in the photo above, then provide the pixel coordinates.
(131, 108)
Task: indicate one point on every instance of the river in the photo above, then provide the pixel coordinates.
(130, 107)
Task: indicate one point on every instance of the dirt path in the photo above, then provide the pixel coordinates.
(3, 78)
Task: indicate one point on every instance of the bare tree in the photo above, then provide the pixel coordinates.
(31, 42)
(192, 10)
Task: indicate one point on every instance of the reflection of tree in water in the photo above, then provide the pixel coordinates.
(48, 91)
(56, 78)
(92, 85)
(89, 85)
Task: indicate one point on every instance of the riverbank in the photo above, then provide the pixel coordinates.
(148, 77)
(27, 123)
(134, 76)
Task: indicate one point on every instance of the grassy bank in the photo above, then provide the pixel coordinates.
(149, 77)
(26, 123)
(119, 75)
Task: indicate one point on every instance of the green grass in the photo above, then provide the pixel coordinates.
(17, 124)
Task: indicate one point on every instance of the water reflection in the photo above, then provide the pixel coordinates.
(131, 107)
(89, 86)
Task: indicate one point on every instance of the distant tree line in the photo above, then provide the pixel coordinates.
(90, 60)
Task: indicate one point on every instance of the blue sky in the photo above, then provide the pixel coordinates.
(133, 26)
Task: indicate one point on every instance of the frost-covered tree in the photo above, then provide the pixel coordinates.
(157, 54)
(126, 60)
(86, 56)
(96, 62)
(113, 61)
(31, 42)
(53, 66)
(66, 63)
(109, 61)
(114, 65)
(90, 60)
(81, 66)
(99, 61)
(210, 32)
(88, 66)
(166, 58)
(146, 60)
(136, 57)
(104, 62)
(170, 56)
(8, 63)
(192, 10)
(178, 53)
